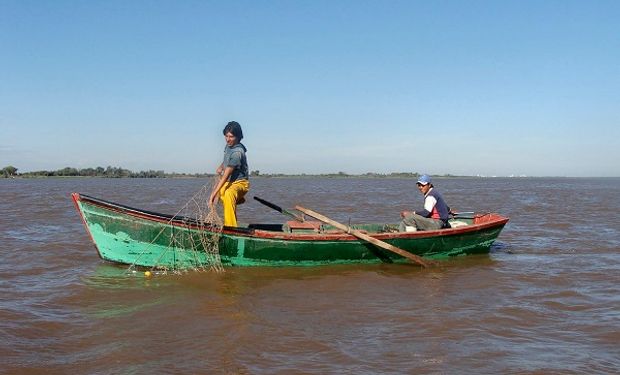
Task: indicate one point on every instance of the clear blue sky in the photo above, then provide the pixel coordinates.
(461, 87)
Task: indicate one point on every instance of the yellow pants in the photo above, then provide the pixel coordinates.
(231, 194)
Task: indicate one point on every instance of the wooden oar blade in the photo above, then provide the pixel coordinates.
(414, 258)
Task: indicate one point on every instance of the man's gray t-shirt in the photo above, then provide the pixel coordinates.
(235, 157)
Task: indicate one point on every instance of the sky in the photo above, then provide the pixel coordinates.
(494, 88)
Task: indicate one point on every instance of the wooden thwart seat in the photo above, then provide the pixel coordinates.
(306, 226)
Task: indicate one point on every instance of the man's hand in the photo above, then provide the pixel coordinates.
(406, 213)
(213, 198)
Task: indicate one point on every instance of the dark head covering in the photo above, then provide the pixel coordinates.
(234, 128)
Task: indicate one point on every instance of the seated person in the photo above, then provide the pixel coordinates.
(435, 213)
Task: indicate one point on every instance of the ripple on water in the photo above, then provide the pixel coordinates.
(545, 300)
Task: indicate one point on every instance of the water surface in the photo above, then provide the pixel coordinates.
(545, 300)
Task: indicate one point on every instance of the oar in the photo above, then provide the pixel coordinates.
(365, 237)
(468, 213)
(465, 215)
(279, 209)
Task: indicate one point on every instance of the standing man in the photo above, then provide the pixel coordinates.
(435, 213)
(233, 183)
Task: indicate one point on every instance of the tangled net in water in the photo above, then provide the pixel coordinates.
(194, 234)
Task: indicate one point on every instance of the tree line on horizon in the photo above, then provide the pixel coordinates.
(109, 172)
(118, 172)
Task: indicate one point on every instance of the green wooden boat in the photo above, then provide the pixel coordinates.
(132, 236)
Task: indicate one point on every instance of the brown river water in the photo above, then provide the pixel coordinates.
(546, 300)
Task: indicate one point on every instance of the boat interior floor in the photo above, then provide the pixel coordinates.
(317, 227)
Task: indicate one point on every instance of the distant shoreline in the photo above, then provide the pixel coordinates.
(117, 172)
(277, 176)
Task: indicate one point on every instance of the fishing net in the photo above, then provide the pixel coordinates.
(190, 238)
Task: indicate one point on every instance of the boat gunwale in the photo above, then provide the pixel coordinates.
(494, 220)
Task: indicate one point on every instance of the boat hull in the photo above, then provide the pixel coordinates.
(127, 235)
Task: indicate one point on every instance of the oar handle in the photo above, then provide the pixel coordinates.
(279, 209)
(269, 204)
(463, 213)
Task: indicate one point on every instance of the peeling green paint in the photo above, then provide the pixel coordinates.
(134, 238)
